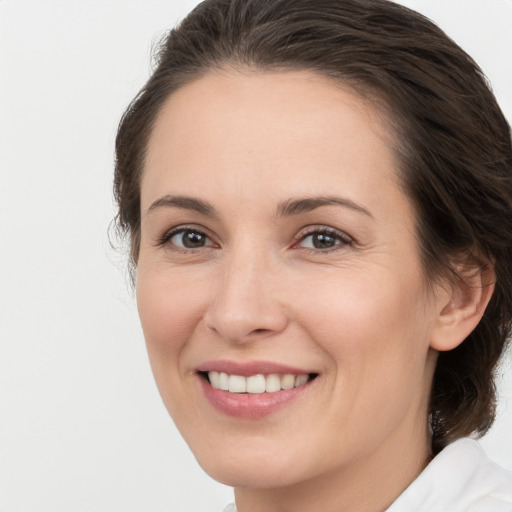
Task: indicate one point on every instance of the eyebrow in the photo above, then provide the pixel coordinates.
(184, 202)
(307, 204)
(284, 209)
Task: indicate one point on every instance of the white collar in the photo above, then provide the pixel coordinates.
(461, 478)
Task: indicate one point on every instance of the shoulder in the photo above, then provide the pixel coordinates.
(460, 478)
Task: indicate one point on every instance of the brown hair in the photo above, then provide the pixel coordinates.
(452, 141)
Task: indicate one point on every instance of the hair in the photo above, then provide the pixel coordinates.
(453, 147)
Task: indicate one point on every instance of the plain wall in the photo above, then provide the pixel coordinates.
(82, 428)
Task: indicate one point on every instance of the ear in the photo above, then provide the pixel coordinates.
(460, 304)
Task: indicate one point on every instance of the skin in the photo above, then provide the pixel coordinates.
(358, 314)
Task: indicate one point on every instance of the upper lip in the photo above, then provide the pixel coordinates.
(246, 369)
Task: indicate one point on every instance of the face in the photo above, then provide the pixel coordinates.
(279, 281)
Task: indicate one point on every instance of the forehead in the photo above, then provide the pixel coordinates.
(291, 100)
(248, 129)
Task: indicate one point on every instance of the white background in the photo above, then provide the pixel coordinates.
(82, 428)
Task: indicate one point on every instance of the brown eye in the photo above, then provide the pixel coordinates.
(189, 239)
(323, 240)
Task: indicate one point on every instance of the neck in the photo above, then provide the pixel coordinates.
(369, 484)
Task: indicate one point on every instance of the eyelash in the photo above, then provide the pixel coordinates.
(342, 239)
(167, 237)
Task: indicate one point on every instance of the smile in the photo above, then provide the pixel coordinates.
(253, 390)
(256, 384)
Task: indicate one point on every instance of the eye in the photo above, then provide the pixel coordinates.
(323, 239)
(187, 238)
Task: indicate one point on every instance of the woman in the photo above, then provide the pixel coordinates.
(318, 197)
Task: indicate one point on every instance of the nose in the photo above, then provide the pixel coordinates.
(245, 305)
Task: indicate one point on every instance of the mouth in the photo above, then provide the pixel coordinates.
(252, 390)
(256, 384)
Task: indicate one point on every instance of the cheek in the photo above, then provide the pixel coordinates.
(376, 338)
(371, 326)
(169, 311)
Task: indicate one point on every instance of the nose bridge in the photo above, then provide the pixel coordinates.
(245, 304)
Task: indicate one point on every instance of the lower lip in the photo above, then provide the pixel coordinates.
(248, 405)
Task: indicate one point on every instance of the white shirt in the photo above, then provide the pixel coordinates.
(461, 478)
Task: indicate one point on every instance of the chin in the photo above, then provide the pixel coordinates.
(256, 466)
(248, 474)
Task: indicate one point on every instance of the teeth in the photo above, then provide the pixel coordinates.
(273, 383)
(256, 384)
(301, 380)
(237, 384)
(223, 381)
(215, 379)
(287, 381)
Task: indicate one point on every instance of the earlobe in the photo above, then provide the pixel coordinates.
(460, 306)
